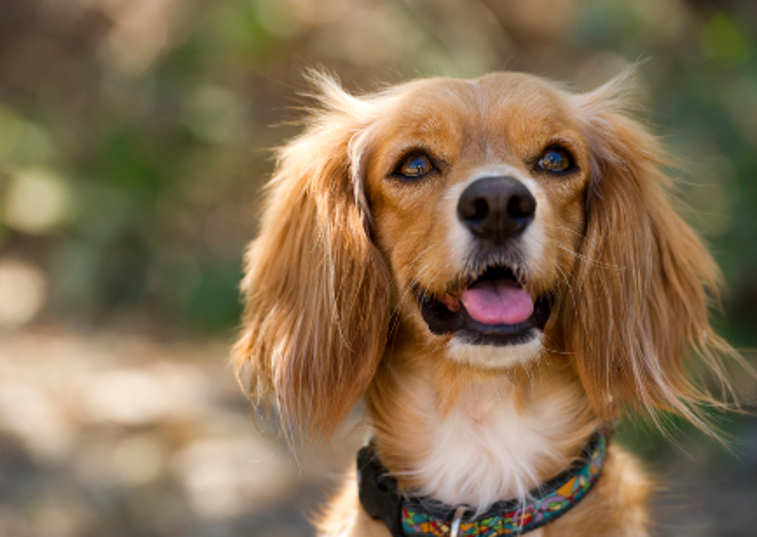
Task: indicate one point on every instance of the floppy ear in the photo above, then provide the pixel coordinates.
(642, 280)
(316, 289)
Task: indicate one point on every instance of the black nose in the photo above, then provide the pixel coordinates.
(496, 208)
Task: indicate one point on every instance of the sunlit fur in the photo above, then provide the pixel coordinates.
(330, 290)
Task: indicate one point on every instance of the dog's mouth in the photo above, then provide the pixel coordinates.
(492, 309)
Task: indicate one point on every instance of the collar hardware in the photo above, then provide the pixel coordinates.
(456, 521)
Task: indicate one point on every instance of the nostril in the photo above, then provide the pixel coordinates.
(480, 209)
(474, 209)
(521, 206)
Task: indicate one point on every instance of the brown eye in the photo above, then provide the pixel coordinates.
(414, 166)
(555, 159)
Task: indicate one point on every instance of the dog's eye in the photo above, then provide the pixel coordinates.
(555, 159)
(414, 166)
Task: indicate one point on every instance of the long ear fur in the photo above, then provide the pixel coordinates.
(316, 288)
(642, 281)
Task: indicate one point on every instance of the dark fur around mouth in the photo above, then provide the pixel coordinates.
(443, 321)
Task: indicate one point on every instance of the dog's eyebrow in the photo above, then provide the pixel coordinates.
(567, 141)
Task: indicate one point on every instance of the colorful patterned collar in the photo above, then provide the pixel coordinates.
(426, 517)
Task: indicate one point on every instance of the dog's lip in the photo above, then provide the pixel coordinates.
(455, 291)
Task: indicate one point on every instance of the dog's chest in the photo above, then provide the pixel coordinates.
(493, 446)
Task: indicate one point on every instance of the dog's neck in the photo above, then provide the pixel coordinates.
(471, 437)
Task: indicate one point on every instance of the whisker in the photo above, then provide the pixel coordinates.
(590, 260)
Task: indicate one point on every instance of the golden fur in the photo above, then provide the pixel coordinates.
(331, 312)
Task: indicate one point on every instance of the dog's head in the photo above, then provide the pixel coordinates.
(493, 220)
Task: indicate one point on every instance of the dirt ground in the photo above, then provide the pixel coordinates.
(113, 434)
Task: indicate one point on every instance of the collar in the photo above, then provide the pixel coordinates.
(425, 517)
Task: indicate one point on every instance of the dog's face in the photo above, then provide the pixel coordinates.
(477, 195)
(489, 220)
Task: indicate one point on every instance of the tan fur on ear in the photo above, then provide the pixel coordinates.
(642, 281)
(316, 288)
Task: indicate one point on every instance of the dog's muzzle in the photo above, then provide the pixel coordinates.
(491, 307)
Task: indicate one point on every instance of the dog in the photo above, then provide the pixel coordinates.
(496, 267)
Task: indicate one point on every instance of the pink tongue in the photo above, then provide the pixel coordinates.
(497, 302)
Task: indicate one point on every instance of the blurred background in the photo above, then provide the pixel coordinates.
(134, 138)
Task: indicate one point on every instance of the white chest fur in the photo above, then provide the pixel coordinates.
(495, 446)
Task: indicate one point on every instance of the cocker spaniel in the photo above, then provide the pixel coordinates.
(495, 266)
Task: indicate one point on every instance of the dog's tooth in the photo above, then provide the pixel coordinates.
(451, 303)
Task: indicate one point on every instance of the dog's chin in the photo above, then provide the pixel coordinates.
(495, 357)
(487, 342)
